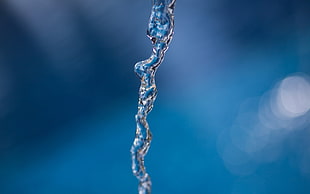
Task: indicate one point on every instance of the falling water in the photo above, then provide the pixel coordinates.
(160, 31)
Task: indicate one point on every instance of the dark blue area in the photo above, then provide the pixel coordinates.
(68, 95)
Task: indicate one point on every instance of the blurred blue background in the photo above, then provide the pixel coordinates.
(232, 114)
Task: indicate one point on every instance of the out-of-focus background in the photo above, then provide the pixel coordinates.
(232, 115)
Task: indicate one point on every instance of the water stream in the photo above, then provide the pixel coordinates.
(160, 31)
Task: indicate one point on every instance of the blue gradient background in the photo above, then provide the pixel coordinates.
(68, 96)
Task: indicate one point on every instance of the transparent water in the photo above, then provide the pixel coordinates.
(160, 31)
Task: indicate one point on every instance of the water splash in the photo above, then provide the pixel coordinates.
(160, 31)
